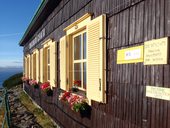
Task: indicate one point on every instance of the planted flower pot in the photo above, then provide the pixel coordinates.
(36, 86)
(85, 110)
(74, 89)
(49, 92)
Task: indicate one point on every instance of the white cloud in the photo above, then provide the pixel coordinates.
(10, 34)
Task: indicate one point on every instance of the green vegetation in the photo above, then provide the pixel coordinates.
(2, 111)
(13, 81)
(42, 119)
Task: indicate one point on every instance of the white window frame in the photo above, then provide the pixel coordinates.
(48, 63)
(82, 60)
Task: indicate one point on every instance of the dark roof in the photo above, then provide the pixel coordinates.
(45, 9)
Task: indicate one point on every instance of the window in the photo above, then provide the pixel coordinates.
(28, 67)
(34, 66)
(48, 64)
(47, 58)
(83, 57)
(79, 59)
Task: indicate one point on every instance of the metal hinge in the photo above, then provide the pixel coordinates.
(104, 38)
(100, 84)
(67, 44)
(67, 81)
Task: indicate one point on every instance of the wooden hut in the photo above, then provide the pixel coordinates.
(117, 49)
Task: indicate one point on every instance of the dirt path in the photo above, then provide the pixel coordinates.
(20, 116)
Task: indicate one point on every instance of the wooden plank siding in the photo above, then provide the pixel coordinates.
(129, 23)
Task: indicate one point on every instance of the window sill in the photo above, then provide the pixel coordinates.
(79, 92)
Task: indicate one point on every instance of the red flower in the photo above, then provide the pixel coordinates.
(33, 82)
(24, 79)
(45, 85)
(77, 83)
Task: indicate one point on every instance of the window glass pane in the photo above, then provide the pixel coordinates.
(84, 45)
(84, 76)
(48, 71)
(77, 47)
(48, 55)
(77, 72)
(34, 66)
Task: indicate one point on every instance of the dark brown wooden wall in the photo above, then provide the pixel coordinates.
(130, 23)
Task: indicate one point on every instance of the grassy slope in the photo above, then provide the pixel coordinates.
(42, 119)
(13, 81)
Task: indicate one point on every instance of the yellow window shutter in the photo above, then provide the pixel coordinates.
(27, 70)
(25, 66)
(41, 65)
(37, 65)
(45, 65)
(34, 66)
(63, 65)
(53, 64)
(29, 67)
(96, 59)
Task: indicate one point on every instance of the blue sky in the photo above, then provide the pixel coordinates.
(15, 16)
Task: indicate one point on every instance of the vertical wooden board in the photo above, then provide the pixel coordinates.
(153, 13)
(127, 103)
(166, 116)
(167, 17)
(159, 76)
(114, 69)
(126, 18)
(111, 32)
(126, 106)
(120, 102)
(109, 65)
(117, 101)
(114, 35)
(140, 99)
(149, 19)
(153, 109)
(163, 16)
(134, 104)
(114, 100)
(152, 75)
(117, 32)
(137, 96)
(126, 74)
(118, 73)
(123, 102)
(141, 22)
(131, 110)
(161, 113)
(134, 74)
(132, 24)
(137, 25)
(157, 18)
(121, 74)
(146, 10)
(141, 74)
(120, 29)
(112, 66)
(123, 28)
(124, 70)
(138, 74)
